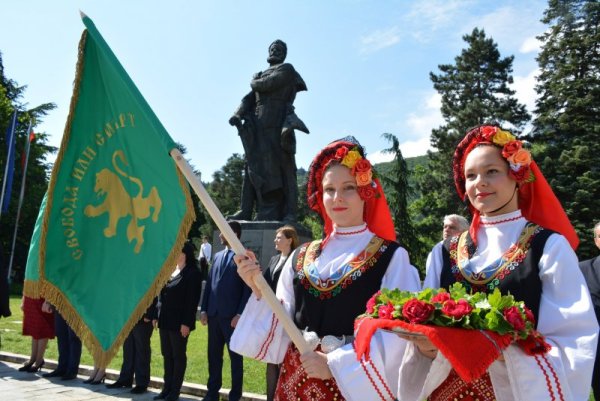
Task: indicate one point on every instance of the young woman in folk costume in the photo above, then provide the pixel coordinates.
(521, 242)
(326, 283)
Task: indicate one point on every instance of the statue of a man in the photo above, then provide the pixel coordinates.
(266, 121)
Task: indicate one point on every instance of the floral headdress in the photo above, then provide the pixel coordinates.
(537, 201)
(519, 159)
(350, 153)
(360, 168)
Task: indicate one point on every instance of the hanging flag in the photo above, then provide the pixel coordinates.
(31, 284)
(11, 133)
(25, 155)
(118, 210)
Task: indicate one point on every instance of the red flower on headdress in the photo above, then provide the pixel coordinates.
(487, 132)
(520, 175)
(366, 192)
(511, 148)
(341, 152)
(361, 166)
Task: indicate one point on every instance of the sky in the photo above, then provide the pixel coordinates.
(366, 63)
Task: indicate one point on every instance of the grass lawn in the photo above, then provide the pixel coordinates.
(197, 368)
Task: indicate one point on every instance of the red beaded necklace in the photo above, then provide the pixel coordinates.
(493, 223)
(362, 230)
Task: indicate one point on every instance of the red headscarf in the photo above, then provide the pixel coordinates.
(351, 154)
(537, 201)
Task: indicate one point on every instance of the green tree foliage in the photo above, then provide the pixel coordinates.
(398, 192)
(475, 90)
(567, 122)
(225, 190)
(38, 170)
(195, 229)
(307, 217)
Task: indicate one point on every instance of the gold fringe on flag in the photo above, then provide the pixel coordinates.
(56, 297)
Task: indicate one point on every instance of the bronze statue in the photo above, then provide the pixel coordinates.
(266, 122)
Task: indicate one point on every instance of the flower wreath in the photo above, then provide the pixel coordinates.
(518, 158)
(360, 168)
(470, 329)
(480, 311)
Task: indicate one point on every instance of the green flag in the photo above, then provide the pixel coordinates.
(118, 209)
(31, 284)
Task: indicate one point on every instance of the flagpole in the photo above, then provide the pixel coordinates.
(21, 196)
(11, 150)
(232, 239)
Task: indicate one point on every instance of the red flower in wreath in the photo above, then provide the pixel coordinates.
(529, 314)
(416, 311)
(457, 309)
(513, 316)
(440, 298)
(372, 302)
(386, 311)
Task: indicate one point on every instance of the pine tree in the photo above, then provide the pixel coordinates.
(37, 172)
(225, 190)
(475, 90)
(398, 192)
(567, 123)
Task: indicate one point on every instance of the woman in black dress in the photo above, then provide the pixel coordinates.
(176, 319)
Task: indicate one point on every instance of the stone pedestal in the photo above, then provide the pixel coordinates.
(259, 236)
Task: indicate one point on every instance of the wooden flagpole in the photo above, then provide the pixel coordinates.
(238, 248)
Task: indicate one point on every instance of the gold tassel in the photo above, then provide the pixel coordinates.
(31, 289)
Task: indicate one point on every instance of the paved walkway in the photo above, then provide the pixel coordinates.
(15, 385)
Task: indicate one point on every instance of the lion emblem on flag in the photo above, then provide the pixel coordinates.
(118, 203)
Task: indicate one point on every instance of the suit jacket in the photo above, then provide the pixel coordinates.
(179, 300)
(225, 294)
(270, 274)
(591, 271)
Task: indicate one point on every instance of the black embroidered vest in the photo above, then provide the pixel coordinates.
(521, 277)
(330, 308)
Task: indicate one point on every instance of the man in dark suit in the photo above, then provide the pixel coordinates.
(223, 302)
(591, 271)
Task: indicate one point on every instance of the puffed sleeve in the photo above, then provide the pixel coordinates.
(258, 334)
(567, 320)
(377, 378)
